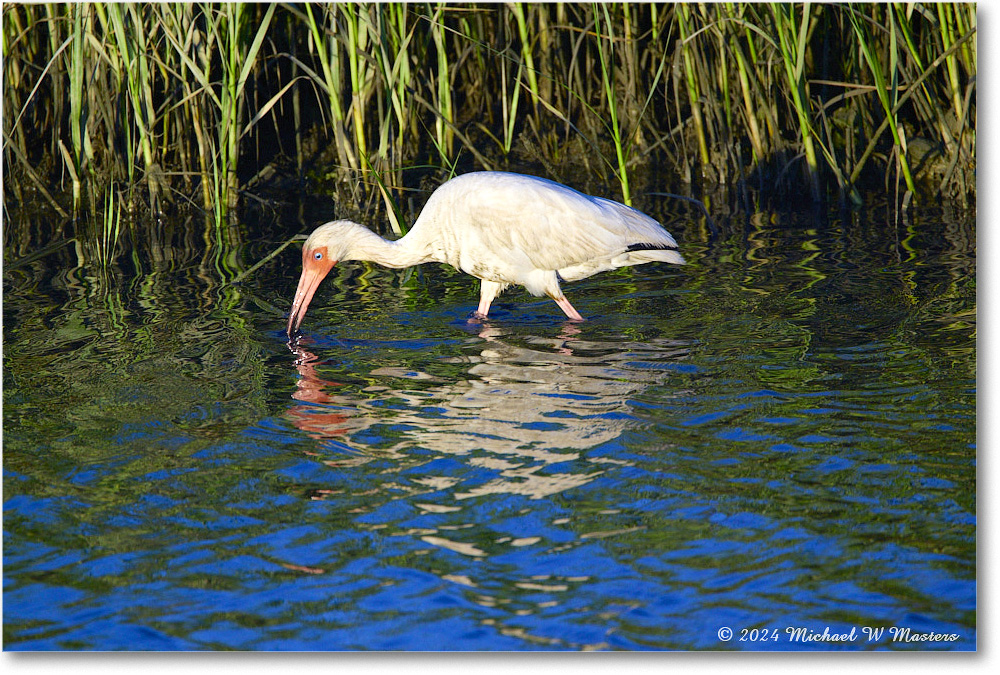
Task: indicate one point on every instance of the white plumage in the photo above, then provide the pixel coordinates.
(503, 228)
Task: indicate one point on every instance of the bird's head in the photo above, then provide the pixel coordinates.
(327, 244)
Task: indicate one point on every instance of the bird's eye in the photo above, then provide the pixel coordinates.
(318, 255)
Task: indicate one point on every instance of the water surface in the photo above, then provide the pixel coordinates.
(779, 435)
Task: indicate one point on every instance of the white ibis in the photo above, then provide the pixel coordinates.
(503, 228)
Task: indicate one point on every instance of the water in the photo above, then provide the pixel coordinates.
(778, 436)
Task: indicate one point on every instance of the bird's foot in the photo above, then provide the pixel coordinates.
(296, 339)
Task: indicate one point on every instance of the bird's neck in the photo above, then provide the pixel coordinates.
(405, 252)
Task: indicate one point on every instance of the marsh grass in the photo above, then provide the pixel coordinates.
(180, 104)
(109, 231)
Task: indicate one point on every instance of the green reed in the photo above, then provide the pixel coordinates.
(887, 91)
(691, 79)
(606, 58)
(792, 43)
(172, 102)
(444, 115)
(517, 8)
(77, 116)
(392, 34)
(326, 49)
(109, 231)
(130, 33)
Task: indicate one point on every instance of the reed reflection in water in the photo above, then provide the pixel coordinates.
(783, 433)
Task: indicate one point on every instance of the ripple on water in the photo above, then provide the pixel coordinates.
(766, 438)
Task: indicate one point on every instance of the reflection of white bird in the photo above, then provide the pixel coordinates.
(503, 228)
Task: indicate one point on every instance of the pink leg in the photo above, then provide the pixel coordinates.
(568, 308)
(488, 291)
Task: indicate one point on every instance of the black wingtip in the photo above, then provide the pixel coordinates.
(652, 247)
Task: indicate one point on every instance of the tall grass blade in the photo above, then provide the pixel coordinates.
(607, 64)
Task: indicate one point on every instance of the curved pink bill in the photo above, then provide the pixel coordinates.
(313, 272)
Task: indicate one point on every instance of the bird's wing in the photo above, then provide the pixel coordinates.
(556, 227)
